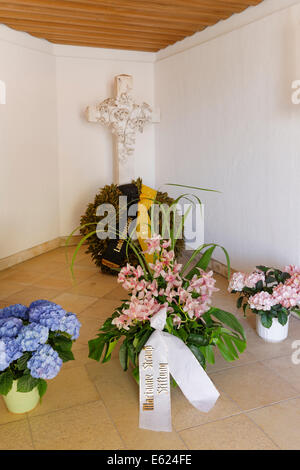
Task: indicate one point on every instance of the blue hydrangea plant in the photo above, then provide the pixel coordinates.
(34, 343)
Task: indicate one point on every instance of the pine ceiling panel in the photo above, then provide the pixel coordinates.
(145, 25)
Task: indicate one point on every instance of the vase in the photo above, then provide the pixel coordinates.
(20, 402)
(275, 334)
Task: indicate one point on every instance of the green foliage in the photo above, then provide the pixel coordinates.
(26, 383)
(42, 387)
(6, 381)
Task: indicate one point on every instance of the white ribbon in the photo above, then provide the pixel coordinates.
(165, 354)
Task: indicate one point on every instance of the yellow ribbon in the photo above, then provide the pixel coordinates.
(143, 226)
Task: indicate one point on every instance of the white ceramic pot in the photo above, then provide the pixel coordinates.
(275, 334)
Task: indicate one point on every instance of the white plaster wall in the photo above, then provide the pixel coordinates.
(52, 160)
(28, 146)
(86, 76)
(227, 122)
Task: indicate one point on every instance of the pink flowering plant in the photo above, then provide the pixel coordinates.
(268, 292)
(186, 292)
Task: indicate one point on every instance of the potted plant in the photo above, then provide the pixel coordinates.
(34, 342)
(272, 295)
(186, 292)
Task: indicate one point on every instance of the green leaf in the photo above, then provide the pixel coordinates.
(296, 310)
(123, 356)
(62, 343)
(282, 317)
(266, 320)
(226, 353)
(182, 334)
(6, 381)
(203, 262)
(270, 279)
(143, 341)
(228, 319)
(264, 269)
(96, 348)
(228, 341)
(42, 387)
(136, 374)
(196, 339)
(131, 353)
(240, 344)
(110, 348)
(239, 302)
(65, 355)
(169, 325)
(198, 354)
(209, 354)
(26, 383)
(22, 361)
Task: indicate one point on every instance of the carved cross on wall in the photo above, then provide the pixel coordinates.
(124, 117)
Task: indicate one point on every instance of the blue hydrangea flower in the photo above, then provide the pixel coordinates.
(37, 303)
(9, 352)
(17, 310)
(10, 326)
(42, 309)
(32, 336)
(52, 319)
(71, 325)
(45, 363)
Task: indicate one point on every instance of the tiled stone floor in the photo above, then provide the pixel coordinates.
(94, 406)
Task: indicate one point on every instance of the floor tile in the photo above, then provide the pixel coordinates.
(101, 309)
(82, 427)
(80, 273)
(6, 416)
(123, 407)
(23, 276)
(116, 293)
(184, 415)
(253, 385)
(16, 436)
(284, 367)
(9, 288)
(220, 363)
(281, 423)
(31, 293)
(96, 286)
(43, 265)
(234, 433)
(72, 386)
(74, 302)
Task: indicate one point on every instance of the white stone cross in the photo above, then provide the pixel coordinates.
(124, 117)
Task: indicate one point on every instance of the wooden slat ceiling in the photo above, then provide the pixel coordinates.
(145, 25)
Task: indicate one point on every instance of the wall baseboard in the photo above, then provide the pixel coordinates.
(37, 250)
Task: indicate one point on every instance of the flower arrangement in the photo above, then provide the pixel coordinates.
(34, 342)
(88, 223)
(185, 292)
(268, 292)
